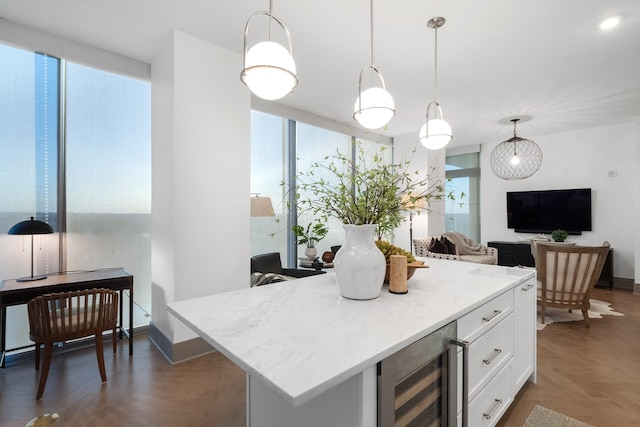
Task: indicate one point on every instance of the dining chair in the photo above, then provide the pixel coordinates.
(65, 316)
(567, 275)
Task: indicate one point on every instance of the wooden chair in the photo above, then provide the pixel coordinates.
(71, 315)
(567, 275)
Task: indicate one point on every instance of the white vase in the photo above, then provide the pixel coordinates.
(311, 253)
(359, 265)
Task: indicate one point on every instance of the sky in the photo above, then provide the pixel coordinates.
(108, 134)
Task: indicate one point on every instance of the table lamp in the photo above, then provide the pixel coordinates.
(31, 227)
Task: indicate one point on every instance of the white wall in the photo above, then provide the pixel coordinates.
(577, 159)
(201, 132)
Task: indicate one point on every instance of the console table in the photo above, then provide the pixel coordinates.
(513, 254)
(13, 292)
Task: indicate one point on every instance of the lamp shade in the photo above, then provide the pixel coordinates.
(516, 158)
(270, 71)
(261, 206)
(439, 134)
(30, 227)
(374, 108)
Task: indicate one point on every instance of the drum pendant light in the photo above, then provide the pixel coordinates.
(435, 133)
(374, 107)
(269, 69)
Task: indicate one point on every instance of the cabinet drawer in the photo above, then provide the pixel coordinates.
(489, 353)
(473, 324)
(489, 406)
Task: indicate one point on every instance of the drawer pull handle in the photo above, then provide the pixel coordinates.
(527, 288)
(494, 314)
(495, 354)
(493, 409)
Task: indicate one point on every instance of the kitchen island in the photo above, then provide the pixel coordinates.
(311, 355)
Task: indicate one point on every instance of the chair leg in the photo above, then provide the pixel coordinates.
(542, 308)
(113, 336)
(46, 363)
(100, 355)
(37, 356)
(585, 313)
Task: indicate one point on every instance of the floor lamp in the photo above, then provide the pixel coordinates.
(412, 203)
(31, 227)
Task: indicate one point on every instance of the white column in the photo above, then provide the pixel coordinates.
(201, 174)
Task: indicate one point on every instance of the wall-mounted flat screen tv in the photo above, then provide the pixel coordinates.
(545, 211)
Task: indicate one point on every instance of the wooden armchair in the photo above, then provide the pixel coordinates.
(71, 315)
(567, 275)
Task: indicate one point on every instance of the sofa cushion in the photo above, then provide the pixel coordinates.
(451, 247)
(437, 246)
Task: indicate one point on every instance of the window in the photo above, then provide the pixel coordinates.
(463, 214)
(281, 148)
(98, 198)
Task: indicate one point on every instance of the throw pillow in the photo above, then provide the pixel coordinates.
(437, 246)
(451, 247)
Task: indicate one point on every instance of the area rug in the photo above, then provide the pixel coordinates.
(543, 417)
(597, 310)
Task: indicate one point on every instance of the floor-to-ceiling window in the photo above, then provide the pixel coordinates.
(463, 213)
(282, 149)
(76, 153)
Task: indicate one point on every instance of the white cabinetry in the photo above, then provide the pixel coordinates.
(501, 353)
(524, 335)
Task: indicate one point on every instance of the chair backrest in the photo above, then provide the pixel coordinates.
(266, 263)
(70, 315)
(569, 273)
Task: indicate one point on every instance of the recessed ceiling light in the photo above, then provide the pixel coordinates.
(609, 23)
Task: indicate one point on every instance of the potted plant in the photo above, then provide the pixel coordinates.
(559, 235)
(310, 236)
(367, 196)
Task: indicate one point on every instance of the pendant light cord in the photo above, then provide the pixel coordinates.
(435, 66)
(371, 27)
(270, 17)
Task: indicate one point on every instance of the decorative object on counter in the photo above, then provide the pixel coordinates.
(389, 250)
(364, 191)
(411, 269)
(310, 236)
(516, 158)
(559, 235)
(398, 273)
(359, 264)
(29, 228)
(328, 257)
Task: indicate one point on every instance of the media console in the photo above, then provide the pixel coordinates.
(511, 254)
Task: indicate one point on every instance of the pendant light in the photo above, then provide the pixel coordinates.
(515, 158)
(435, 133)
(269, 69)
(374, 107)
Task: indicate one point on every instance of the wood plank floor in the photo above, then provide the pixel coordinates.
(589, 374)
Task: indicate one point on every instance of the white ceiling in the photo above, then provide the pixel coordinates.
(496, 58)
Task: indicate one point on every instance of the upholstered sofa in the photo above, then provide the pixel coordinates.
(488, 255)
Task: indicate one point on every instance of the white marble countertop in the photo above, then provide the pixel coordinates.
(302, 338)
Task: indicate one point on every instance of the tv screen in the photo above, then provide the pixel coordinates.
(545, 211)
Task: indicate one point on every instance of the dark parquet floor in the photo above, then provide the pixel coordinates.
(589, 374)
